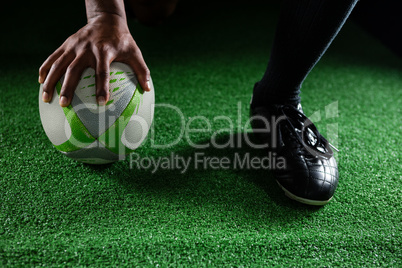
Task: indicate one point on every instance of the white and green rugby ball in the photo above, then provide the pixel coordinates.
(95, 134)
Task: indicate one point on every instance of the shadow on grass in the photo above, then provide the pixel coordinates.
(250, 191)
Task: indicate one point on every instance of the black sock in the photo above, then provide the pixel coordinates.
(305, 30)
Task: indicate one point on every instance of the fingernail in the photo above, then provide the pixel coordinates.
(101, 100)
(63, 101)
(39, 80)
(45, 97)
(148, 86)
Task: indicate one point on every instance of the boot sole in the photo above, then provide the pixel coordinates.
(304, 200)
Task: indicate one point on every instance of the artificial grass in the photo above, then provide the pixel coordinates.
(55, 211)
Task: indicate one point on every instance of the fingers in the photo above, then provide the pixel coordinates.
(96, 50)
(140, 68)
(71, 80)
(47, 64)
(102, 78)
(56, 71)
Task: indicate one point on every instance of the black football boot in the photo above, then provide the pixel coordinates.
(310, 173)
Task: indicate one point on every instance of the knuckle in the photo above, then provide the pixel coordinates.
(102, 91)
(84, 46)
(73, 68)
(57, 64)
(102, 74)
(42, 69)
(46, 87)
(132, 50)
(102, 48)
(137, 54)
(62, 60)
(144, 71)
(68, 87)
(147, 71)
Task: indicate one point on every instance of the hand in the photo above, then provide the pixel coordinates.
(106, 38)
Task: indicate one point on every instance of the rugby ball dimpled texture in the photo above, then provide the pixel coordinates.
(95, 134)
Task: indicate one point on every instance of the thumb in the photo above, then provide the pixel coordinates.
(141, 70)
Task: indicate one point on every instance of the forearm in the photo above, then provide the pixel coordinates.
(96, 8)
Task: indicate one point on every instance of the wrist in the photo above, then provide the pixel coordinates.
(105, 18)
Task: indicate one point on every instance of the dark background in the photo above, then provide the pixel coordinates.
(379, 18)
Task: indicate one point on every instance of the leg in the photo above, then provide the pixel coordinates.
(304, 32)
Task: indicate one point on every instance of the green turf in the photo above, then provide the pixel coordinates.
(55, 211)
